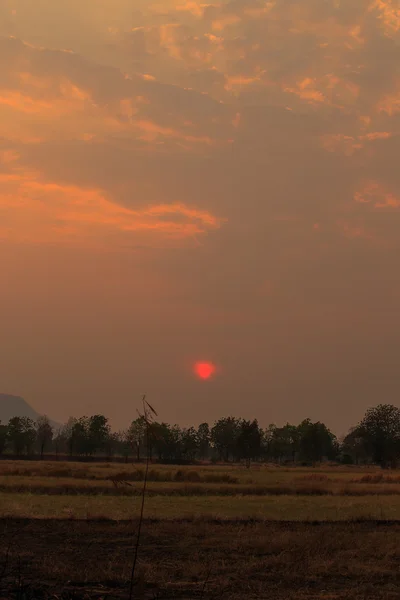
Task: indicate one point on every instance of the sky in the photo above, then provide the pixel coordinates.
(186, 182)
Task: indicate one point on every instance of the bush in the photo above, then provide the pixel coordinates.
(314, 477)
(378, 478)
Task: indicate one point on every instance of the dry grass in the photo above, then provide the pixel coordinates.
(108, 471)
(82, 489)
(206, 559)
(281, 508)
(219, 528)
(72, 479)
(378, 478)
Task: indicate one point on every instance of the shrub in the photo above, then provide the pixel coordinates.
(378, 478)
(314, 477)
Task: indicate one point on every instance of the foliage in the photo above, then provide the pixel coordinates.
(21, 434)
(316, 442)
(44, 433)
(353, 448)
(204, 441)
(380, 432)
(224, 436)
(98, 433)
(3, 437)
(136, 435)
(376, 439)
(249, 441)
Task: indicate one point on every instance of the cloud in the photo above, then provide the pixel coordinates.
(389, 14)
(50, 97)
(49, 94)
(203, 82)
(377, 195)
(349, 145)
(33, 210)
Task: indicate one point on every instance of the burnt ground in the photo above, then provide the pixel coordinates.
(47, 559)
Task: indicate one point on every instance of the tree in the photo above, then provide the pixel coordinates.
(3, 437)
(22, 434)
(266, 441)
(224, 436)
(353, 448)
(204, 440)
(172, 443)
(316, 442)
(98, 433)
(67, 435)
(380, 430)
(113, 444)
(79, 436)
(136, 435)
(189, 444)
(123, 445)
(44, 433)
(162, 440)
(283, 442)
(62, 439)
(249, 441)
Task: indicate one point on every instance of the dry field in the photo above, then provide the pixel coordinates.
(67, 531)
(201, 559)
(112, 491)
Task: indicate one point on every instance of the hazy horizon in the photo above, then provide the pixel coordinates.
(184, 182)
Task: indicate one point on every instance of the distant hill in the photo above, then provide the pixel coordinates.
(14, 406)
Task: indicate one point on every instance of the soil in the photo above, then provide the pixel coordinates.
(69, 559)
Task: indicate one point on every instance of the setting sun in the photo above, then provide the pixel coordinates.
(204, 370)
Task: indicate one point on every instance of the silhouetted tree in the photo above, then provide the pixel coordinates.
(189, 444)
(44, 433)
(316, 442)
(380, 430)
(283, 442)
(79, 436)
(22, 434)
(204, 440)
(266, 442)
(113, 445)
(174, 443)
(3, 437)
(224, 435)
(136, 435)
(98, 432)
(124, 447)
(164, 440)
(375, 439)
(171, 443)
(61, 440)
(354, 448)
(248, 441)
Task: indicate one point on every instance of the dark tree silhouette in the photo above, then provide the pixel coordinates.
(3, 437)
(380, 430)
(21, 434)
(224, 437)
(249, 441)
(316, 442)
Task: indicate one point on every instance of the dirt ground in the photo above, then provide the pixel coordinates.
(54, 559)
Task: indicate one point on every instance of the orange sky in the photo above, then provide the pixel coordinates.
(188, 181)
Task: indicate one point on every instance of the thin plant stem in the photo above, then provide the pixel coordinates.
(136, 552)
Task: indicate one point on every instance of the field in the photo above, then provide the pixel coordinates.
(67, 531)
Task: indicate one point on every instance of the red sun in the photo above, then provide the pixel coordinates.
(204, 370)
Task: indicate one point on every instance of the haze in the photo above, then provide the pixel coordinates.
(184, 182)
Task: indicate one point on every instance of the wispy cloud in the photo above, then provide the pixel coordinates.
(35, 210)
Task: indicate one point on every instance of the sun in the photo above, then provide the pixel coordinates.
(204, 369)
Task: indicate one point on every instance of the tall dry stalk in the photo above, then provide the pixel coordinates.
(148, 415)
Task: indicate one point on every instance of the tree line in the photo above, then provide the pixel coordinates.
(375, 440)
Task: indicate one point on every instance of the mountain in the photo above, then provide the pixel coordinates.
(14, 406)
